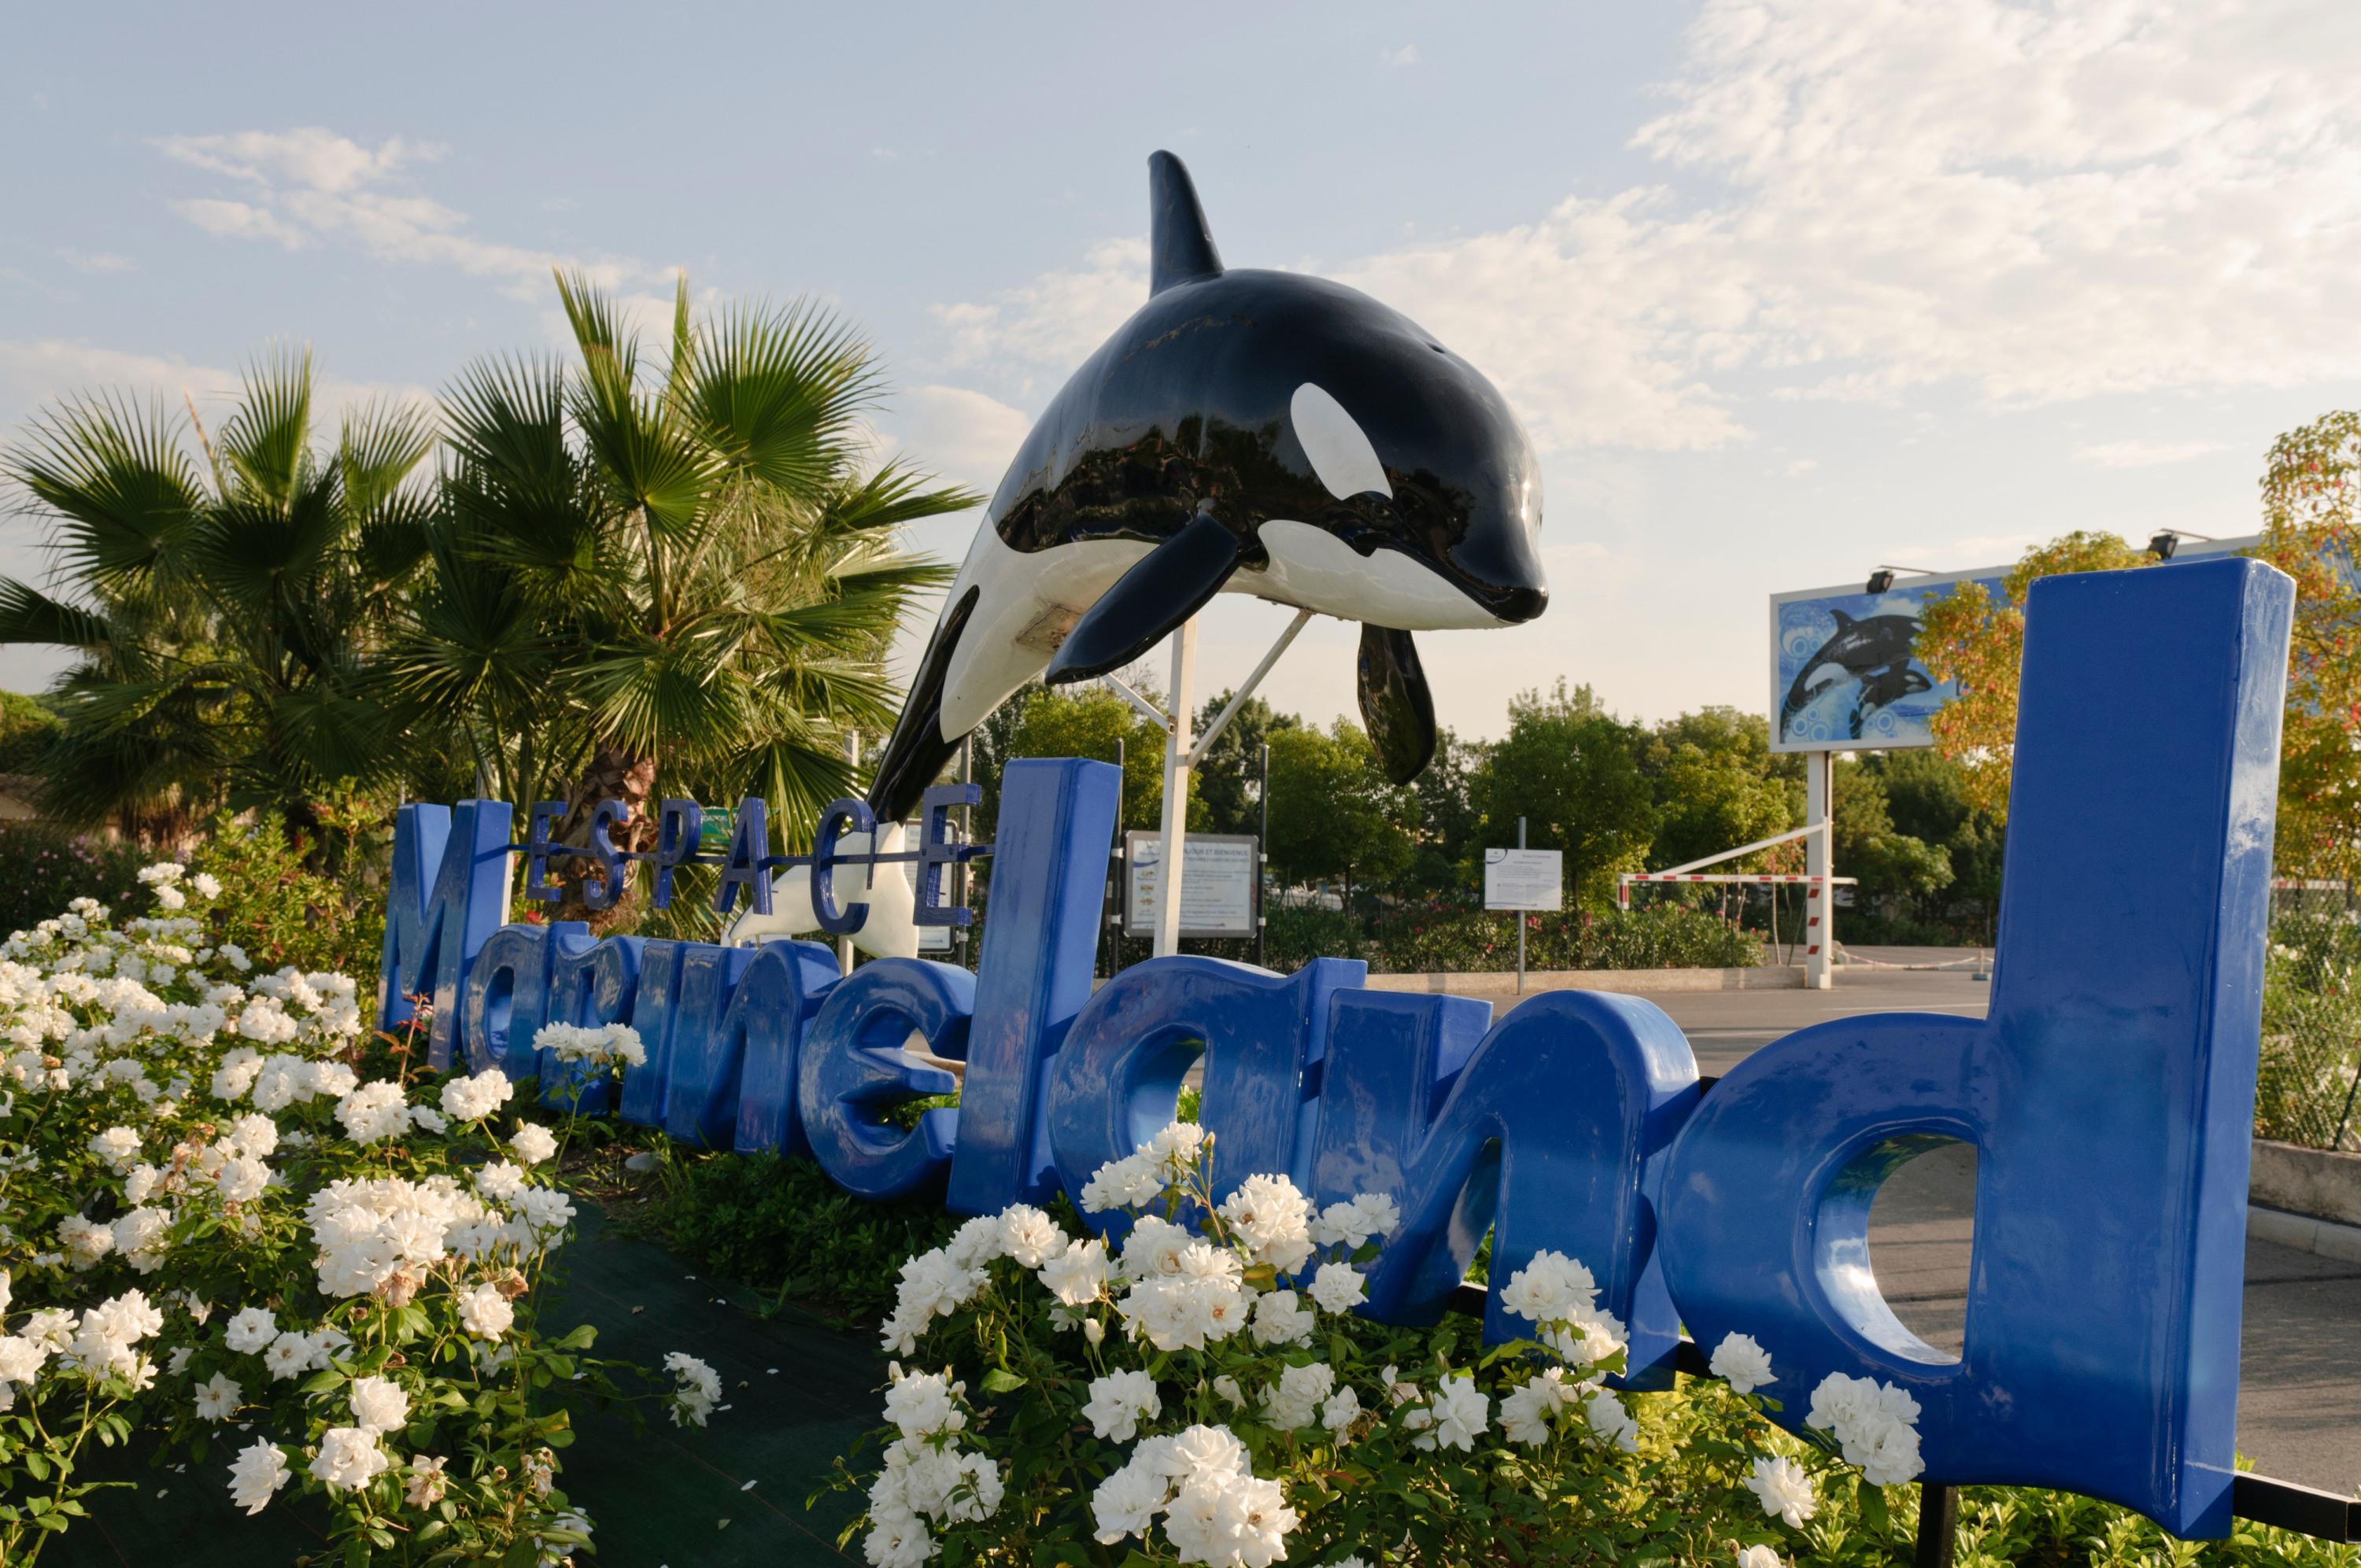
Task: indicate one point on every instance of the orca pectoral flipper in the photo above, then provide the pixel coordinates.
(1395, 703)
(1163, 589)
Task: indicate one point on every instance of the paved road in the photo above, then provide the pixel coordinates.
(2299, 1405)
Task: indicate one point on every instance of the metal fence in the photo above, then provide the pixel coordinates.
(2309, 1089)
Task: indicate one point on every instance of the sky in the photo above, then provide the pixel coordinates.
(1782, 289)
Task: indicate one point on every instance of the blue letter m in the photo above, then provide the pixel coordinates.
(449, 890)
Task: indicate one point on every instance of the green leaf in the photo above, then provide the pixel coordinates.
(1000, 1380)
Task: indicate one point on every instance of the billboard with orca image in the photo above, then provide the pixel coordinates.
(1844, 675)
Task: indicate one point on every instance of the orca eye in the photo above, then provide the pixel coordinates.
(1340, 454)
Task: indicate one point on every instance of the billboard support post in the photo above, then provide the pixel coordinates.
(1819, 854)
(1521, 920)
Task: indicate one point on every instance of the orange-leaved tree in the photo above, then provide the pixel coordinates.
(2311, 534)
(1967, 637)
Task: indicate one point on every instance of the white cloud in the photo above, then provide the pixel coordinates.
(308, 157)
(96, 261)
(241, 220)
(307, 186)
(1052, 324)
(34, 371)
(2144, 453)
(1397, 58)
(964, 436)
(1877, 197)
(1799, 467)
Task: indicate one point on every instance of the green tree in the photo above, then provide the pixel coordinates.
(223, 600)
(26, 727)
(1228, 779)
(1080, 721)
(1572, 771)
(1714, 789)
(1888, 861)
(1447, 861)
(691, 574)
(1926, 800)
(1334, 813)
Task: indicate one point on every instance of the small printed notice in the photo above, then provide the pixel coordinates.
(1217, 884)
(1524, 879)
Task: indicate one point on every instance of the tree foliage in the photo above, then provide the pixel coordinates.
(2311, 534)
(1967, 637)
(1334, 814)
(1572, 770)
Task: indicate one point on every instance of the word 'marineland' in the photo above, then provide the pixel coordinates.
(2108, 1094)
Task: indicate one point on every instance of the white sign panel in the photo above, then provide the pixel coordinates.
(1217, 887)
(1524, 879)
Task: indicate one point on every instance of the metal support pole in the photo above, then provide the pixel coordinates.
(845, 944)
(1521, 920)
(1118, 875)
(1174, 839)
(1938, 1526)
(1262, 854)
(960, 934)
(1819, 857)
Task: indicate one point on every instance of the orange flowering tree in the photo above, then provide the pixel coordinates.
(1967, 637)
(2310, 532)
(2310, 486)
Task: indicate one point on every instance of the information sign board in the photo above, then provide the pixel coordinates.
(1217, 889)
(1524, 879)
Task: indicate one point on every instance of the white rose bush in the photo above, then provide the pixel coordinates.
(238, 1224)
(1196, 1387)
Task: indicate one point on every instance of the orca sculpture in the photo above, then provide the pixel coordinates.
(1876, 651)
(1248, 432)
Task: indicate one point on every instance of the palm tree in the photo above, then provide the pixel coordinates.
(222, 601)
(695, 574)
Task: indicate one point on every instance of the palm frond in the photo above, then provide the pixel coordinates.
(120, 493)
(380, 445)
(779, 393)
(29, 615)
(268, 441)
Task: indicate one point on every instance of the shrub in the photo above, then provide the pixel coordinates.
(281, 909)
(44, 868)
(237, 1226)
(1439, 938)
(781, 1226)
(1204, 1392)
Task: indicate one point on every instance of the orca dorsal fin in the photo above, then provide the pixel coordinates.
(1843, 620)
(1181, 248)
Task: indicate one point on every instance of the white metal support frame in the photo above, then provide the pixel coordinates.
(1182, 757)
(1818, 833)
(1819, 857)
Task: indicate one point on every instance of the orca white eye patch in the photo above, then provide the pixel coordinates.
(1340, 453)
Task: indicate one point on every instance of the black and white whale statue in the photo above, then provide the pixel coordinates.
(1244, 431)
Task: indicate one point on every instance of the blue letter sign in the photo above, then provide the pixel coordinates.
(2108, 1096)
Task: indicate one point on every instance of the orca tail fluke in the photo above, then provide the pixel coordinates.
(1180, 247)
(1163, 588)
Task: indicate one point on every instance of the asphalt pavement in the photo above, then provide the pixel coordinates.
(2299, 1397)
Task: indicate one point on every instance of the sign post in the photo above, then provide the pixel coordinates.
(1819, 897)
(1525, 881)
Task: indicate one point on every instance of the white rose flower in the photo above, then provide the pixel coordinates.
(485, 1312)
(1758, 1557)
(472, 1098)
(379, 1404)
(1029, 1236)
(1119, 1402)
(1785, 1490)
(349, 1458)
(1743, 1364)
(257, 1473)
(533, 1143)
(251, 1329)
(218, 1398)
(1338, 1287)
